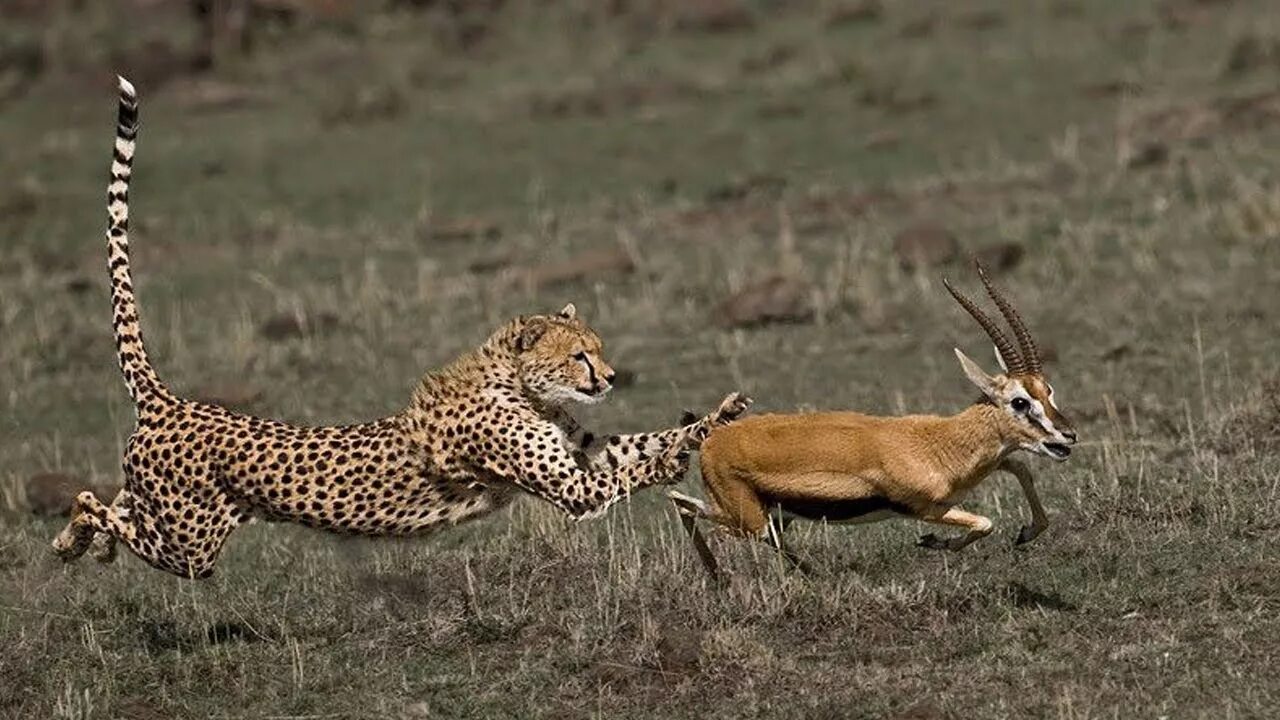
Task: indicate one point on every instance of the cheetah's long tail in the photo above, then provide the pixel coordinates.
(144, 385)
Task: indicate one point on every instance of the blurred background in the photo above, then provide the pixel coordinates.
(331, 197)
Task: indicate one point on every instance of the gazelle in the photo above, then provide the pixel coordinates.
(845, 467)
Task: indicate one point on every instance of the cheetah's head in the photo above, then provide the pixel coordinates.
(559, 359)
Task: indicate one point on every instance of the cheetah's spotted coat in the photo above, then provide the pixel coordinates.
(474, 433)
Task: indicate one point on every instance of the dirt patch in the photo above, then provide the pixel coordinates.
(981, 19)
(1255, 426)
(772, 59)
(1001, 257)
(1202, 120)
(594, 264)
(363, 105)
(772, 299)
(1251, 53)
(50, 494)
(759, 186)
(925, 244)
(203, 94)
(1112, 88)
(610, 97)
(466, 228)
(855, 13)
(288, 326)
(713, 16)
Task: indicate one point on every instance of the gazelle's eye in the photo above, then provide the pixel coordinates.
(1020, 404)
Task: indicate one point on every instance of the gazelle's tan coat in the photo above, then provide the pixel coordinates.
(848, 467)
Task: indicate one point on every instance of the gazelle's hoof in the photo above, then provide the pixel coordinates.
(1027, 534)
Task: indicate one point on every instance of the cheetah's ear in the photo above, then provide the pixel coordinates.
(530, 334)
(569, 312)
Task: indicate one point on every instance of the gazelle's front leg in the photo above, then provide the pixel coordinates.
(1039, 520)
(979, 527)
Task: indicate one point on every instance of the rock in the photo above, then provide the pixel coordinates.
(925, 244)
(776, 298)
(50, 494)
(1000, 257)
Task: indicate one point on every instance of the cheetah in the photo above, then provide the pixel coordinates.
(475, 435)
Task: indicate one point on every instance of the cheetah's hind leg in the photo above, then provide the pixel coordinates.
(88, 516)
(103, 548)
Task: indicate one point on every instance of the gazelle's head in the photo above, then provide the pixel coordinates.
(1020, 390)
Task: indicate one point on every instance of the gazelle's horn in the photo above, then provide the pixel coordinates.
(1010, 356)
(1030, 354)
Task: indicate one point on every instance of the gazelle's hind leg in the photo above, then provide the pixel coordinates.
(103, 547)
(89, 516)
(979, 527)
(690, 509)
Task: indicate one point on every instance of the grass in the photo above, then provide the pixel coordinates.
(347, 144)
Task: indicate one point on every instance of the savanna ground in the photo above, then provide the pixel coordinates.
(367, 193)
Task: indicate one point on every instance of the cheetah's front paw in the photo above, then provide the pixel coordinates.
(731, 408)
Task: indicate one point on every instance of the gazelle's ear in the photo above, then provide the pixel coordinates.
(976, 375)
(569, 312)
(1000, 359)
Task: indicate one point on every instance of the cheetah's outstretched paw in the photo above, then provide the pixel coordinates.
(731, 408)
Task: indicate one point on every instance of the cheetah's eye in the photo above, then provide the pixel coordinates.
(1020, 404)
(580, 356)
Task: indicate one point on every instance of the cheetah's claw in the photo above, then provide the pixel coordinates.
(731, 408)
